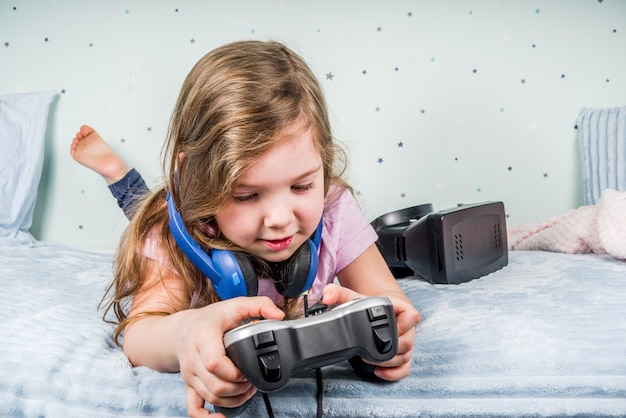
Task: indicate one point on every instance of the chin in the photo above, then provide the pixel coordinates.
(277, 257)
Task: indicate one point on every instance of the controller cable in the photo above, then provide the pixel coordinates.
(318, 371)
(315, 309)
(268, 405)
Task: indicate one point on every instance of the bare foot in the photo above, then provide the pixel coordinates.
(89, 149)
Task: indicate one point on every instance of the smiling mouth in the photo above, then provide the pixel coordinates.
(278, 244)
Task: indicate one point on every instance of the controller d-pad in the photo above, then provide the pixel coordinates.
(383, 339)
(270, 366)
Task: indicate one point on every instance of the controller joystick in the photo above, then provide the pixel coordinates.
(317, 309)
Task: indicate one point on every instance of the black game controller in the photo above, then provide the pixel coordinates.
(269, 352)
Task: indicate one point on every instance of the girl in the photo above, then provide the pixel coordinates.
(251, 167)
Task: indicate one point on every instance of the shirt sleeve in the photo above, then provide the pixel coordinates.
(348, 231)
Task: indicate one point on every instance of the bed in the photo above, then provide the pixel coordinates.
(543, 336)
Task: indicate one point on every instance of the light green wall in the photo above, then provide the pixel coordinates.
(441, 78)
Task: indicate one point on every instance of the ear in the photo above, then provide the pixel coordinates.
(181, 156)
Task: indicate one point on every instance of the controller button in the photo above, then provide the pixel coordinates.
(377, 312)
(382, 337)
(264, 339)
(270, 366)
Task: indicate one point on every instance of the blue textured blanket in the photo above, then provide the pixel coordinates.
(544, 336)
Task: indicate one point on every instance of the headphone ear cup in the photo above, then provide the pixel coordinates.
(249, 273)
(300, 273)
(236, 275)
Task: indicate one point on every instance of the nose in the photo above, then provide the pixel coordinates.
(278, 214)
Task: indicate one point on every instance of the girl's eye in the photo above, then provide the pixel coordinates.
(302, 187)
(244, 198)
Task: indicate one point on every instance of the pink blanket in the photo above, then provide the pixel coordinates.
(599, 228)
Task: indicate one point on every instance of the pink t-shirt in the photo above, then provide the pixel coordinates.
(346, 234)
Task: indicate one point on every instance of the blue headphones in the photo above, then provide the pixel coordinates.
(233, 273)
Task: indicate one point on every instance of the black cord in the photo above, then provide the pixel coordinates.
(268, 405)
(318, 377)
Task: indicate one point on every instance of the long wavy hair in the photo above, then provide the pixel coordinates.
(231, 109)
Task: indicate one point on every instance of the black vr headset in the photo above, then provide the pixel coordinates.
(451, 246)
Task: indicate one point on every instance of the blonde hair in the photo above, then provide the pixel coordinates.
(231, 109)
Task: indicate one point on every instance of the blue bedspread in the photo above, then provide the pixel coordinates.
(545, 336)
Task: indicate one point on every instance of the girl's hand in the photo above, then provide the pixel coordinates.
(407, 317)
(208, 373)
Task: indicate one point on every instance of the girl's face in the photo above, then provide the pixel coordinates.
(278, 200)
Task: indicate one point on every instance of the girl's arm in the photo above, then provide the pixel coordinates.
(150, 340)
(369, 275)
(191, 340)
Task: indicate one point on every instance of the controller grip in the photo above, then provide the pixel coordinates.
(231, 412)
(363, 369)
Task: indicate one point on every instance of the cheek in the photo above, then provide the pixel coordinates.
(232, 224)
(315, 209)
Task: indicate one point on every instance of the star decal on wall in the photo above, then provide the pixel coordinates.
(400, 144)
(380, 160)
(329, 76)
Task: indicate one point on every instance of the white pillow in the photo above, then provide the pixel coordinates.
(23, 120)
